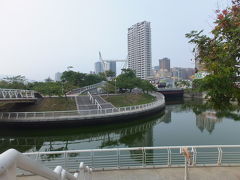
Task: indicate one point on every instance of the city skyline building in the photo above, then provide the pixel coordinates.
(58, 76)
(98, 67)
(105, 66)
(110, 66)
(139, 49)
(164, 64)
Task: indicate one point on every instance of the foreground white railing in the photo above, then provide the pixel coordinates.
(80, 113)
(16, 94)
(12, 159)
(142, 157)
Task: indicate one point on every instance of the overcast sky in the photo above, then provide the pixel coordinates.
(41, 37)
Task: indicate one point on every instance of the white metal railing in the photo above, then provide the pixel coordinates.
(142, 157)
(53, 115)
(94, 101)
(11, 159)
(86, 88)
(90, 97)
(6, 94)
(98, 105)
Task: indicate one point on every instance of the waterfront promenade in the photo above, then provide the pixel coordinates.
(196, 173)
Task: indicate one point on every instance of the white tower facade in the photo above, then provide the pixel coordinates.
(139, 49)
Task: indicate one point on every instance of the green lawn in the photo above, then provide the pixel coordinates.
(47, 104)
(129, 99)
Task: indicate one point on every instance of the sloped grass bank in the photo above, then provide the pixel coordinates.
(46, 104)
(129, 99)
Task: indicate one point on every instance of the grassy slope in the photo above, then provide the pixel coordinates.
(47, 104)
(129, 99)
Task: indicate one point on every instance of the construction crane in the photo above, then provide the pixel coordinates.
(105, 61)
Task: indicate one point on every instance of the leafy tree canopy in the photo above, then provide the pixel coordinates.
(78, 79)
(220, 55)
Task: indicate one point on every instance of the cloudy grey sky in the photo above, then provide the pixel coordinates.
(41, 37)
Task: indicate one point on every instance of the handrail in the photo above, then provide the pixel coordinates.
(85, 88)
(147, 157)
(98, 105)
(16, 94)
(82, 113)
(94, 101)
(90, 97)
(12, 159)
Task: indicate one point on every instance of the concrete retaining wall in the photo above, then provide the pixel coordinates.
(88, 119)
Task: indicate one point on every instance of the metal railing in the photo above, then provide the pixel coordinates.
(142, 157)
(53, 115)
(90, 97)
(11, 159)
(86, 88)
(94, 101)
(6, 94)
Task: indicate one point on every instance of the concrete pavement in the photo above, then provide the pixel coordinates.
(203, 173)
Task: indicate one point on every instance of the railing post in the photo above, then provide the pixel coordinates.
(144, 157)
(81, 172)
(169, 157)
(194, 152)
(186, 169)
(65, 156)
(219, 156)
(118, 158)
(92, 157)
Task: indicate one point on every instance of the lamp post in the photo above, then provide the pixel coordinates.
(115, 85)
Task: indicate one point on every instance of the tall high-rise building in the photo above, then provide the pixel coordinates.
(164, 64)
(110, 66)
(98, 67)
(106, 66)
(139, 49)
(58, 76)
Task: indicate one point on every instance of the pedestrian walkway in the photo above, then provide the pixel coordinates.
(203, 173)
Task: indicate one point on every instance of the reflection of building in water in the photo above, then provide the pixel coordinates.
(207, 120)
(140, 134)
(167, 117)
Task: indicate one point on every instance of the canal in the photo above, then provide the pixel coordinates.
(183, 122)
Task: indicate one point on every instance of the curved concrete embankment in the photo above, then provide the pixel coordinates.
(84, 117)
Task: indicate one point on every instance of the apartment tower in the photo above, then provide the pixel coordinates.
(139, 49)
(164, 64)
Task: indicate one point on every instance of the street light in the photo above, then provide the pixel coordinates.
(115, 85)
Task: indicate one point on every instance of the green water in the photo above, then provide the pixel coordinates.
(181, 123)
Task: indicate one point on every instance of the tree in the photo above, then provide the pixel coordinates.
(78, 79)
(126, 80)
(110, 74)
(48, 88)
(145, 85)
(183, 84)
(109, 87)
(14, 82)
(220, 55)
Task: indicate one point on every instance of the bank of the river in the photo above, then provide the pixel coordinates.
(183, 123)
(45, 104)
(122, 100)
(190, 93)
(83, 117)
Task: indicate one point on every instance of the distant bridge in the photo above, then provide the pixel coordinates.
(171, 92)
(18, 95)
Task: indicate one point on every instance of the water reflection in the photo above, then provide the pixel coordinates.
(128, 135)
(175, 126)
(207, 120)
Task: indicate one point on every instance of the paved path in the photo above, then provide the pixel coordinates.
(205, 173)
